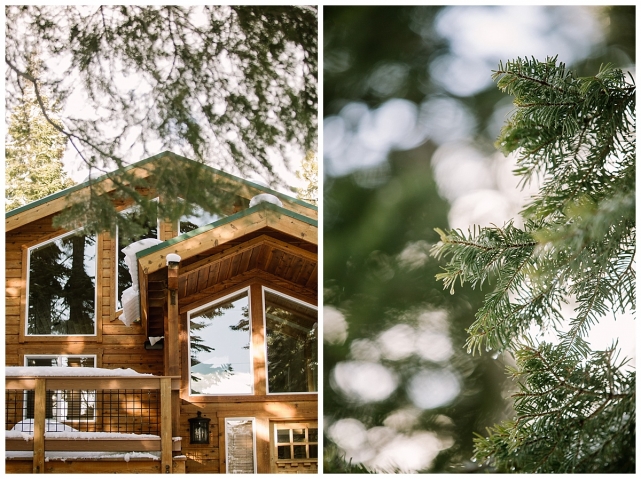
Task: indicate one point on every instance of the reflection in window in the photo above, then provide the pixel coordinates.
(296, 441)
(63, 405)
(292, 345)
(219, 343)
(239, 440)
(150, 227)
(62, 287)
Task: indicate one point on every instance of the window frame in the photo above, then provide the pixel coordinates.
(291, 425)
(265, 289)
(27, 275)
(252, 369)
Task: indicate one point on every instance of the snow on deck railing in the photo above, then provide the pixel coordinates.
(61, 371)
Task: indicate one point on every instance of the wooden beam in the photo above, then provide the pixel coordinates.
(247, 246)
(258, 339)
(39, 414)
(165, 425)
(98, 383)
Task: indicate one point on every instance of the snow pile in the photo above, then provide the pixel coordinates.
(64, 456)
(131, 296)
(62, 371)
(265, 198)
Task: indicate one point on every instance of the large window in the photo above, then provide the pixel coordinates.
(220, 347)
(63, 406)
(292, 345)
(220, 338)
(62, 286)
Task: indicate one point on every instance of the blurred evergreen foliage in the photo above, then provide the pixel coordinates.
(576, 407)
(228, 86)
(374, 217)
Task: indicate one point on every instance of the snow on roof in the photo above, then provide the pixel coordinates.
(60, 371)
(265, 198)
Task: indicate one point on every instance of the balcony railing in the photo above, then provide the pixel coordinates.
(90, 414)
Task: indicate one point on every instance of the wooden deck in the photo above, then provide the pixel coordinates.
(38, 451)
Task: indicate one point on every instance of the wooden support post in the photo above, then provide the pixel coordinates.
(39, 413)
(172, 339)
(165, 425)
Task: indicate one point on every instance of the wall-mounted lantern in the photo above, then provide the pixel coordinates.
(199, 430)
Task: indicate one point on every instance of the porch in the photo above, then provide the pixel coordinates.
(106, 422)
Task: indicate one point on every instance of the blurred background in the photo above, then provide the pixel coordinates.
(410, 119)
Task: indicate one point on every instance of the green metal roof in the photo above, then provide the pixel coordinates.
(151, 159)
(223, 221)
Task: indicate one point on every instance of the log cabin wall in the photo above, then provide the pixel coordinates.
(265, 409)
(115, 345)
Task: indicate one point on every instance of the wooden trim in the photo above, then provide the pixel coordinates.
(258, 339)
(262, 239)
(55, 350)
(23, 295)
(172, 330)
(262, 445)
(113, 266)
(98, 383)
(229, 229)
(268, 398)
(142, 282)
(165, 424)
(99, 283)
(264, 279)
(222, 445)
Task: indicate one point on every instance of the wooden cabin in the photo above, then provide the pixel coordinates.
(202, 337)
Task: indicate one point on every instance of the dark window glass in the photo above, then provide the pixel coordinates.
(62, 287)
(292, 345)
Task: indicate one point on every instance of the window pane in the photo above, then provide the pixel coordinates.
(313, 434)
(300, 452)
(299, 435)
(284, 452)
(292, 345)
(313, 451)
(150, 225)
(219, 341)
(62, 287)
(283, 435)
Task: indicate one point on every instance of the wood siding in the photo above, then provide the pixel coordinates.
(265, 258)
